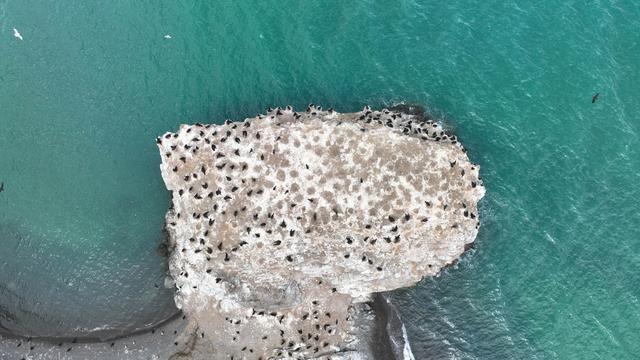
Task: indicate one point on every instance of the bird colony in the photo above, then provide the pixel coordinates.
(283, 225)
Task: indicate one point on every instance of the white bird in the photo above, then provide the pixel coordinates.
(17, 34)
(167, 36)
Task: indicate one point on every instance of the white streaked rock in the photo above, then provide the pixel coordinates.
(283, 223)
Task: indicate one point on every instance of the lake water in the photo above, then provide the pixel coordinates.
(554, 273)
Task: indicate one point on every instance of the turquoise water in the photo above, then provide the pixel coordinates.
(555, 270)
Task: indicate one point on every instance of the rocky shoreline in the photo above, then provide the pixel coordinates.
(160, 342)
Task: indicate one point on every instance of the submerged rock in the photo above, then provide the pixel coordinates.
(283, 226)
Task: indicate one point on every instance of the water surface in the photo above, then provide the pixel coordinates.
(554, 273)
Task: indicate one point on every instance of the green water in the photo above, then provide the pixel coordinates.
(555, 270)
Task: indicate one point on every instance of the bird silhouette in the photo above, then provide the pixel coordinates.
(1, 187)
(594, 98)
(17, 34)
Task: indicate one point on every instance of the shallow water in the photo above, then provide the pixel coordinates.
(554, 272)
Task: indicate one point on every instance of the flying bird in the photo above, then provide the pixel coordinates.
(594, 98)
(17, 34)
(1, 187)
(167, 36)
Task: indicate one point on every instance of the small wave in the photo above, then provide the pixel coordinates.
(394, 330)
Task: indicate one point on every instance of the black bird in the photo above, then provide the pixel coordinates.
(594, 98)
(1, 187)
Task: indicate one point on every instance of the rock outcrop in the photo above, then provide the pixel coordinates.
(284, 225)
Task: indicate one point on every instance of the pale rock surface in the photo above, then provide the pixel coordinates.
(283, 225)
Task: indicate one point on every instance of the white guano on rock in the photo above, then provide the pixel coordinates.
(282, 225)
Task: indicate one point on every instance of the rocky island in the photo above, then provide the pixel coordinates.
(284, 230)
(284, 226)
